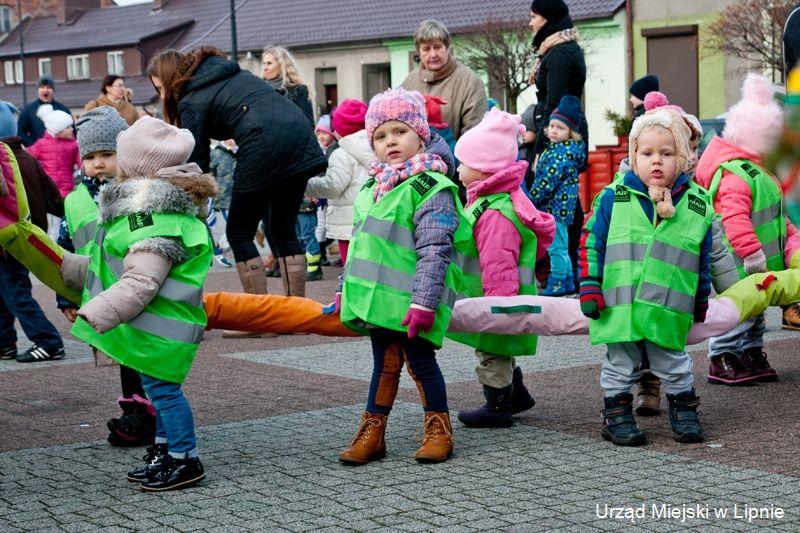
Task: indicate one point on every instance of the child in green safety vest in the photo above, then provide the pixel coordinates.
(399, 281)
(646, 276)
(749, 201)
(97, 141)
(507, 235)
(142, 286)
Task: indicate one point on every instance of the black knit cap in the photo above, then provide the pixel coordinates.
(644, 85)
(552, 10)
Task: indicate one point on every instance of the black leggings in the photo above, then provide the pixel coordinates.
(278, 206)
(131, 382)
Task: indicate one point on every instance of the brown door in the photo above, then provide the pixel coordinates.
(672, 56)
(331, 98)
(377, 78)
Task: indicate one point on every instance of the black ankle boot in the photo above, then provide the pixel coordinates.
(521, 399)
(495, 413)
(175, 474)
(684, 418)
(136, 426)
(619, 425)
(152, 463)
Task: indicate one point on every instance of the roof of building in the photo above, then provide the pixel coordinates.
(260, 22)
(96, 28)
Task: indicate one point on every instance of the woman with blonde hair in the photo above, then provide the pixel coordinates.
(279, 69)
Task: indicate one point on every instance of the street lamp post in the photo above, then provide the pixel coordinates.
(234, 47)
(21, 53)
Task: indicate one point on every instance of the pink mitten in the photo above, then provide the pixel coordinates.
(418, 320)
(755, 262)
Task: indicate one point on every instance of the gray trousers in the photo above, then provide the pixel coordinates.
(622, 367)
(494, 370)
(748, 334)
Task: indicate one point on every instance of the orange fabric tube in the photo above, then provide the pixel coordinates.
(271, 313)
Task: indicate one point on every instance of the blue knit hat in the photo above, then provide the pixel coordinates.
(8, 120)
(568, 112)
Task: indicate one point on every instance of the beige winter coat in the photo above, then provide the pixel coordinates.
(457, 85)
(347, 172)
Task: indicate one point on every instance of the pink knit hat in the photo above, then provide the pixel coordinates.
(491, 146)
(150, 145)
(401, 105)
(756, 121)
(348, 118)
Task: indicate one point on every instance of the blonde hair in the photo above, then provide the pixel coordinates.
(289, 76)
(574, 135)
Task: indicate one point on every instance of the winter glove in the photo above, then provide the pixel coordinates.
(334, 307)
(700, 311)
(418, 319)
(591, 296)
(755, 262)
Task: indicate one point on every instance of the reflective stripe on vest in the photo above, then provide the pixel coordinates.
(769, 223)
(649, 282)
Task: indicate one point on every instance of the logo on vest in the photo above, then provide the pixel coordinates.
(697, 205)
(622, 194)
(140, 220)
(480, 209)
(368, 184)
(423, 184)
(751, 171)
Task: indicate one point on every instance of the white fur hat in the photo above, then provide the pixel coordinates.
(671, 121)
(57, 121)
(756, 121)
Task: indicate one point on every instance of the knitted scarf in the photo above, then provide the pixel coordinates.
(561, 37)
(388, 175)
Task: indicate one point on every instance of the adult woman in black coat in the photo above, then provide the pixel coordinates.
(559, 69)
(213, 98)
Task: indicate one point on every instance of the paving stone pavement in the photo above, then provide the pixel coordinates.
(281, 474)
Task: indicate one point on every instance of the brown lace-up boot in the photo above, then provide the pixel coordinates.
(648, 395)
(368, 443)
(437, 443)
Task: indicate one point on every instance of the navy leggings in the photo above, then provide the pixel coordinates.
(390, 350)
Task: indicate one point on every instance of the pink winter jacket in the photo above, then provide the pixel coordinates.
(59, 158)
(497, 239)
(734, 201)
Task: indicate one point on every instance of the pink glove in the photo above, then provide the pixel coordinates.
(418, 320)
(334, 307)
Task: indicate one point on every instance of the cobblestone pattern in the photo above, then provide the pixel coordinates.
(281, 474)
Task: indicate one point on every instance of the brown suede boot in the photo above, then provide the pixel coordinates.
(437, 443)
(647, 401)
(791, 317)
(293, 275)
(254, 281)
(368, 443)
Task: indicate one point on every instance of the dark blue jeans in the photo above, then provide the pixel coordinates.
(390, 349)
(307, 232)
(174, 421)
(16, 301)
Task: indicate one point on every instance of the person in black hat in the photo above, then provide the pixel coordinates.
(639, 90)
(30, 126)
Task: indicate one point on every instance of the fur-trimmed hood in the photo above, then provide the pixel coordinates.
(183, 189)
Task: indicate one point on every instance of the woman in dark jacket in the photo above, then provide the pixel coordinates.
(559, 69)
(213, 98)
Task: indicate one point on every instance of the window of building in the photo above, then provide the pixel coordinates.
(5, 19)
(116, 63)
(78, 67)
(45, 67)
(13, 72)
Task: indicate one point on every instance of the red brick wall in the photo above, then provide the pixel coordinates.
(36, 8)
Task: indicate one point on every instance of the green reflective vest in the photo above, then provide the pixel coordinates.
(650, 272)
(766, 214)
(382, 261)
(472, 284)
(81, 213)
(162, 340)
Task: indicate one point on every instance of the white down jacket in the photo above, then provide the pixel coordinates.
(347, 171)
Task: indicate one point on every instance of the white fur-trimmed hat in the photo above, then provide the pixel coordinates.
(671, 121)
